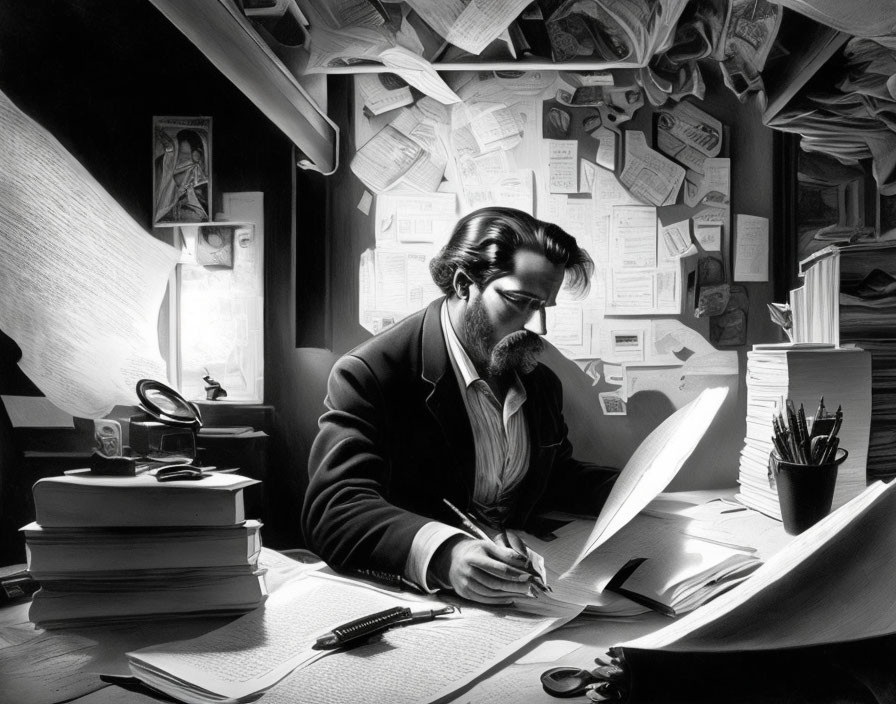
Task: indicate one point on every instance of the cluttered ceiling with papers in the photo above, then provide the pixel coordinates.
(665, 45)
(520, 103)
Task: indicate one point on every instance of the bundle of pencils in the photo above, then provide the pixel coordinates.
(797, 443)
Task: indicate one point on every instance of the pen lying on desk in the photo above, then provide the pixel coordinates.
(370, 625)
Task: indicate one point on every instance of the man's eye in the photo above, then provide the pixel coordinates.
(522, 303)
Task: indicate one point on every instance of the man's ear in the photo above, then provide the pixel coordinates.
(461, 284)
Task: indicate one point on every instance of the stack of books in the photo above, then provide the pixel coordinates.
(107, 549)
(804, 374)
(849, 298)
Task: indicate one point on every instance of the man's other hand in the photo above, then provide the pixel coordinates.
(481, 571)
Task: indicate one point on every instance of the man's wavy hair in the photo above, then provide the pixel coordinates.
(484, 242)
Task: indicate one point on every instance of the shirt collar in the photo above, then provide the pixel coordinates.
(461, 361)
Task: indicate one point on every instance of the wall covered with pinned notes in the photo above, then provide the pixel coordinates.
(650, 192)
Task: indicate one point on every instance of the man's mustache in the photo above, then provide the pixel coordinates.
(517, 351)
(521, 339)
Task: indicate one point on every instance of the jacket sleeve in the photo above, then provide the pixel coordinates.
(347, 517)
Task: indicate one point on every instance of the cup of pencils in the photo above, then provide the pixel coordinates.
(804, 463)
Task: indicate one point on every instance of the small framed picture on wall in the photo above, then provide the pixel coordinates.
(182, 170)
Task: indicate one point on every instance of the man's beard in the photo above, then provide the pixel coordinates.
(516, 352)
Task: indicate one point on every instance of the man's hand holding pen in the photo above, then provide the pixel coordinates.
(489, 570)
(534, 562)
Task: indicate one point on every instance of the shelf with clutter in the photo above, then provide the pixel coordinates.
(831, 85)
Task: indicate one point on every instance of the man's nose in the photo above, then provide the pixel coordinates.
(536, 322)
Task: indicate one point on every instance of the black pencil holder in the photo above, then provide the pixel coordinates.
(805, 491)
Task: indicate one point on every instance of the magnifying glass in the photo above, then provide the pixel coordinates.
(166, 405)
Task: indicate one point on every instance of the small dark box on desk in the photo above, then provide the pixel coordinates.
(149, 437)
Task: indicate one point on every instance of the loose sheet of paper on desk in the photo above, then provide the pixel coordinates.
(271, 647)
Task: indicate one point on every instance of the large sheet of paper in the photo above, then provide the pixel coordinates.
(420, 664)
(80, 282)
(653, 465)
(262, 648)
(830, 584)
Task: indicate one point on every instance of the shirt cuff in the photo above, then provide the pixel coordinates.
(427, 540)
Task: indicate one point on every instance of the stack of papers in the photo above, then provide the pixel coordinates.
(804, 373)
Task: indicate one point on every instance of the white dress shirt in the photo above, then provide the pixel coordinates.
(501, 440)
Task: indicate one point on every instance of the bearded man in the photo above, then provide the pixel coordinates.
(452, 404)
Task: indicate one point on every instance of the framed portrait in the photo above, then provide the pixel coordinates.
(182, 170)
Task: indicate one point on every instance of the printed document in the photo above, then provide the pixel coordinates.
(633, 237)
(259, 650)
(751, 248)
(562, 165)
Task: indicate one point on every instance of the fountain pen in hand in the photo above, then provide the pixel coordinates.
(361, 628)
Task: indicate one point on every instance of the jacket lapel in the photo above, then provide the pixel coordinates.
(444, 401)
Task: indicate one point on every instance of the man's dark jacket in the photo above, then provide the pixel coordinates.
(396, 440)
